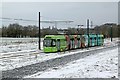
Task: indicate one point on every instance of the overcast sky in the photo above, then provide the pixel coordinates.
(79, 12)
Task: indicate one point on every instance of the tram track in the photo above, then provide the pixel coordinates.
(24, 53)
(19, 54)
(55, 62)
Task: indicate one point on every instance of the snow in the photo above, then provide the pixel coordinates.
(29, 58)
(102, 65)
(18, 44)
(27, 53)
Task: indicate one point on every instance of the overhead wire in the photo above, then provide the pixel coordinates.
(61, 22)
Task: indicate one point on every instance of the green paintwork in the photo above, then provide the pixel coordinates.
(50, 49)
(62, 41)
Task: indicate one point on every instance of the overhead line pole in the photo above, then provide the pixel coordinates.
(91, 27)
(39, 34)
(111, 33)
(88, 31)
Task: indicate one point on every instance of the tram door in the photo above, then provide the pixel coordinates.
(58, 44)
(71, 44)
(91, 42)
(95, 42)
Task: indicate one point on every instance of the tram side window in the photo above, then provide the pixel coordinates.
(53, 43)
(98, 38)
(95, 38)
(102, 37)
(91, 39)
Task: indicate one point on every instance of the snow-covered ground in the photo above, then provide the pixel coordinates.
(18, 44)
(32, 56)
(102, 65)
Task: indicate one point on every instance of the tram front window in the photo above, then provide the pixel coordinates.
(49, 42)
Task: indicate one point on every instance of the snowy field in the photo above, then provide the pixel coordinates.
(25, 52)
(102, 65)
(18, 44)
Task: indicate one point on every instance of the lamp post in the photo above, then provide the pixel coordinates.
(91, 27)
(111, 32)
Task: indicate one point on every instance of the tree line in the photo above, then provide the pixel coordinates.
(16, 30)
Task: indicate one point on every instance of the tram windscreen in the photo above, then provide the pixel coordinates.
(49, 42)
